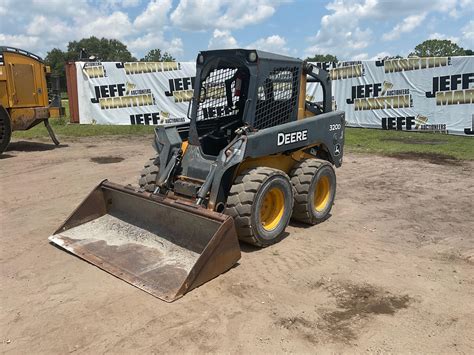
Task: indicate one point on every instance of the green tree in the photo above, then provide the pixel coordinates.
(468, 52)
(322, 58)
(155, 55)
(437, 48)
(56, 58)
(104, 49)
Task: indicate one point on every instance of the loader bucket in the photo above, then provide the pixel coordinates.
(163, 246)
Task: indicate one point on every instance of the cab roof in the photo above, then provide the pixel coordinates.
(262, 55)
(20, 51)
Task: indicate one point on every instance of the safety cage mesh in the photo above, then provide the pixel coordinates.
(277, 97)
(213, 100)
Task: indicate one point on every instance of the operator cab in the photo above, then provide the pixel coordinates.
(240, 88)
(221, 100)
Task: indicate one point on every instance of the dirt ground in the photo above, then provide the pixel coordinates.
(391, 271)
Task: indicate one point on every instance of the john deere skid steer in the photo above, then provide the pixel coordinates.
(254, 155)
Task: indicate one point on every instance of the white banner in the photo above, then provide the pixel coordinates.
(134, 93)
(415, 94)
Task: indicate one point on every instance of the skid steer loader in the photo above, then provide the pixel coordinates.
(254, 154)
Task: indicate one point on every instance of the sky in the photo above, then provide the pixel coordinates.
(351, 30)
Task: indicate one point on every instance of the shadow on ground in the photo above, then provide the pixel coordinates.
(433, 158)
(106, 160)
(27, 146)
(6, 156)
(249, 248)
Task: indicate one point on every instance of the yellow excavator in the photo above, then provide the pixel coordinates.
(254, 155)
(24, 98)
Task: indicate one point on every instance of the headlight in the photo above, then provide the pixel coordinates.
(200, 59)
(252, 56)
(233, 150)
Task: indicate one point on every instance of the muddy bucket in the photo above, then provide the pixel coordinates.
(162, 246)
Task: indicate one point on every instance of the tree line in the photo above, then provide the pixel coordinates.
(429, 48)
(103, 49)
(113, 50)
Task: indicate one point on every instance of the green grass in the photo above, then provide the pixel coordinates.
(63, 129)
(394, 142)
(358, 140)
(65, 104)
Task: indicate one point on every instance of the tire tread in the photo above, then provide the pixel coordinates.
(241, 197)
(148, 175)
(301, 177)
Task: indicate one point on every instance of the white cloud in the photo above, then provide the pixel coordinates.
(200, 15)
(155, 40)
(361, 56)
(76, 9)
(116, 25)
(386, 10)
(468, 35)
(4, 7)
(154, 16)
(52, 29)
(345, 32)
(461, 8)
(53, 23)
(20, 41)
(406, 26)
(130, 3)
(380, 55)
(175, 47)
(222, 40)
(275, 44)
(340, 32)
(437, 35)
(244, 13)
(454, 13)
(467, 4)
(465, 39)
(113, 4)
(151, 24)
(348, 30)
(346, 44)
(195, 14)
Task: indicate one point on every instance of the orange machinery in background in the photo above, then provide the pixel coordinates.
(24, 98)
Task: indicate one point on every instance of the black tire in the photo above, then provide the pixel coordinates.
(249, 197)
(304, 178)
(148, 175)
(5, 130)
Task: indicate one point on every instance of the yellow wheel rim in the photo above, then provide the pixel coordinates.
(272, 208)
(322, 192)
